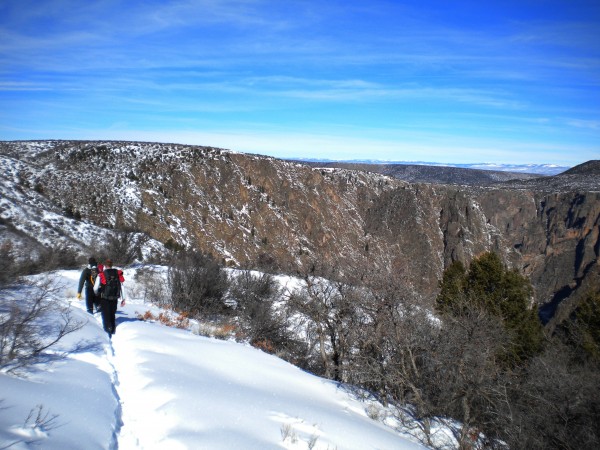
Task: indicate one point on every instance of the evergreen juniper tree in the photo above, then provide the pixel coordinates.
(503, 293)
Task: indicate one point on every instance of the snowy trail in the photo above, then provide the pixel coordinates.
(109, 367)
(153, 387)
(121, 439)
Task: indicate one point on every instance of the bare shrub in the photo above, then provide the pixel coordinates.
(46, 259)
(330, 311)
(374, 412)
(255, 294)
(153, 285)
(266, 263)
(31, 322)
(8, 271)
(264, 345)
(62, 257)
(223, 331)
(39, 421)
(123, 247)
(396, 356)
(286, 431)
(197, 283)
(170, 320)
(556, 403)
(312, 441)
(468, 362)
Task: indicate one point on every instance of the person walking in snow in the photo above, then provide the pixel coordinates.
(88, 280)
(110, 290)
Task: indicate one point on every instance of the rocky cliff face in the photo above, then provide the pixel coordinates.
(552, 237)
(245, 208)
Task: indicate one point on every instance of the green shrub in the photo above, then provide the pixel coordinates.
(503, 293)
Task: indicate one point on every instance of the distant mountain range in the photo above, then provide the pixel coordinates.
(536, 169)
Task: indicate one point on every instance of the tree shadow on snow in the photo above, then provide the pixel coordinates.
(123, 319)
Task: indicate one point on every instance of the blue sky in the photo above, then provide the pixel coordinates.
(457, 82)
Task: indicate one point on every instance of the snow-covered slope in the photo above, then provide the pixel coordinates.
(155, 387)
(32, 215)
(28, 219)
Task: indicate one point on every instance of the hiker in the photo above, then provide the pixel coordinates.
(110, 290)
(88, 279)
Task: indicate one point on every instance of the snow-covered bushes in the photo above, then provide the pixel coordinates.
(31, 322)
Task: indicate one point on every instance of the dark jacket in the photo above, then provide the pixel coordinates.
(87, 280)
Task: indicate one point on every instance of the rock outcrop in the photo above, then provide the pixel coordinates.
(245, 208)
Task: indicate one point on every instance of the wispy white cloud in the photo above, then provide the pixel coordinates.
(390, 94)
(23, 86)
(186, 13)
(587, 124)
(571, 34)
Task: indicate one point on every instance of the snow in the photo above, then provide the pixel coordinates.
(157, 387)
(539, 169)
